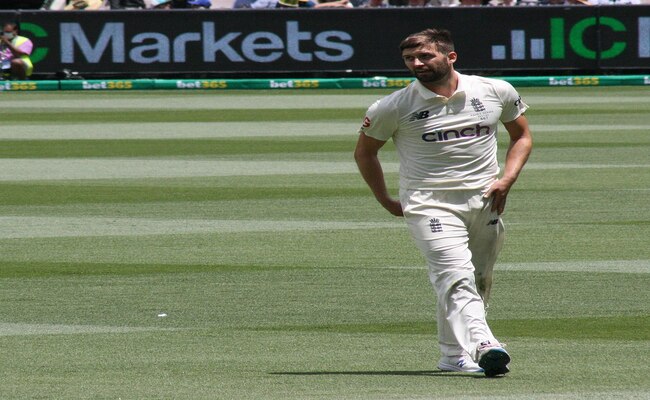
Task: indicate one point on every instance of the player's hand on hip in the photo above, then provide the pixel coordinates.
(394, 207)
(498, 192)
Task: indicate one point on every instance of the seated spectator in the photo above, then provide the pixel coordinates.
(80, 5)
(14, 53)
(334, 4)
(242, 4)
(199, 4)
(161, 4)
(54, 5)
(71, 5)
(564, 3)
(259, 4)
(416, 3)
(613, 2)
(286, 4)
(374, 4)
(126, 4)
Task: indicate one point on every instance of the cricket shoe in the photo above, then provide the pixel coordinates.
(458, 364)
(493, 358)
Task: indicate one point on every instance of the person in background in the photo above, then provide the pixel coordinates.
(14, 53)
(199, 4)
(161, 4)
(83, 5)
(126, 4)
(417, 3)
(286, 4)
(54, 5)
(72, 5)
(334, 4)
(374, 4)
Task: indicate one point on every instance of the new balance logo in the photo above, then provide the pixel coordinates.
(493, 222)
(435, 225)
(419, 115)
(477, 105)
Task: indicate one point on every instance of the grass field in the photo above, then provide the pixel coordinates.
(221, 245)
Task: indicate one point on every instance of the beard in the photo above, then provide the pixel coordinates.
(432, 75)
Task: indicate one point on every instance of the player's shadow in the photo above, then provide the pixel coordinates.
(425, 373)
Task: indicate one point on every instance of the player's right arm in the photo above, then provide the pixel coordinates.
(366, 154)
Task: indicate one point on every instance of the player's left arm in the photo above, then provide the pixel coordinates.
(521, 144)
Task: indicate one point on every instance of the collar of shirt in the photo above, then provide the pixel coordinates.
(428, 94)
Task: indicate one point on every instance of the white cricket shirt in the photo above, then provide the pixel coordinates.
(445, 143)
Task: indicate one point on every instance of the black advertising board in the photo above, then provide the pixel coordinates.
(362, 41)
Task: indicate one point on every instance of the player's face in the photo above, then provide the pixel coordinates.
(428, 64)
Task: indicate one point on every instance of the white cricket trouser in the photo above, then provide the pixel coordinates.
(460, 238)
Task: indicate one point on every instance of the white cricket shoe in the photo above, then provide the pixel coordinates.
(493, 358)
(458, 364)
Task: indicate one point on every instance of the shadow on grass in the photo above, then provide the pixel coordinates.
(445, 374)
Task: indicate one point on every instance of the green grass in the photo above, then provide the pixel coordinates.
(129, 115)
(285, 279)
(165, 148)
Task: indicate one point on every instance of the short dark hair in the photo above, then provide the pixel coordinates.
(13, 24)
(440, 37)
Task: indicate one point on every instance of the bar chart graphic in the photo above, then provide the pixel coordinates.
(520, 48)
(644, 37)
(561, 39)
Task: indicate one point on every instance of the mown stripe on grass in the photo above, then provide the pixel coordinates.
(55, 193)
(588, 101)
(601, 111)
(585, 395)
(13, 269)
(593, 266)
(589, 145)
(587, 128)
(20, 329)
(619, 266)
(606, 328)
(164, 102)
(163, 115)
(549, 166)
(169, 147)
(190, 130)
(213, 147)
(46, 269)
(22, 169)
(186, 130)
(52, 227)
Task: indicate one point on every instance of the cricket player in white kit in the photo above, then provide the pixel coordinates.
(444, 126)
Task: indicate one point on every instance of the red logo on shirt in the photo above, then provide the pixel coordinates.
(366, 122)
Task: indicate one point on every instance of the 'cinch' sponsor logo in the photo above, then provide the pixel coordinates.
(469, 132)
